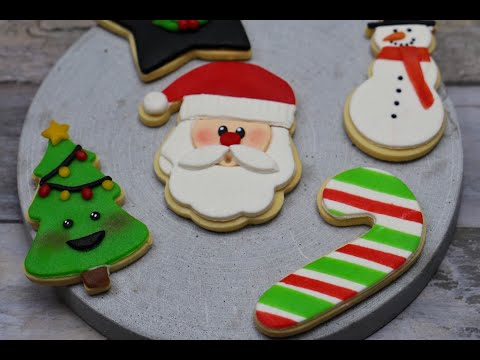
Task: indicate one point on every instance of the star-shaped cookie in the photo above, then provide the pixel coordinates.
(157, 51)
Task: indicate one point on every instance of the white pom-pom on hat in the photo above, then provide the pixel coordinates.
(155, 103)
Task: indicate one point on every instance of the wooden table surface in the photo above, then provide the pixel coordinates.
(448, 308)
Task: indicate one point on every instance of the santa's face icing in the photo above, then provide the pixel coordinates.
(223, 176)
(228, 132)
(403, 35)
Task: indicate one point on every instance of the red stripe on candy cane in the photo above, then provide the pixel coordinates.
(373, 206)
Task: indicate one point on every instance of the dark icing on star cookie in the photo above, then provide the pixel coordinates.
(162, 46)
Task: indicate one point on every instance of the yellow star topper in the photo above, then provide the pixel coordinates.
(56, 132)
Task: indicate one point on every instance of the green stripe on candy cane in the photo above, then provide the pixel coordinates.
(377, 181)
(294, 302)
(394, 238)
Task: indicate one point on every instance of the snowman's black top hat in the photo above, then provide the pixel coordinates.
(374, 25)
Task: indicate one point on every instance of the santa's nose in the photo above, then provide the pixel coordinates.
(399, 35)
(230, 138)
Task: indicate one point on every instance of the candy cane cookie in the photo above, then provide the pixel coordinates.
(333, 283)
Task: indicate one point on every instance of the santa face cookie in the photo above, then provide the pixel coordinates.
(82, 232)
(335, 282)
(159, 47)
(230, 159)
(397, 115)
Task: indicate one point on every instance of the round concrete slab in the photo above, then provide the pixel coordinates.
(194, 284)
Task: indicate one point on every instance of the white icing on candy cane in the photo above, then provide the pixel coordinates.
(313, 294)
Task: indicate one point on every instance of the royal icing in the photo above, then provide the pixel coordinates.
(348, 274)
(80, 226)
(179, 25)
(223, 193)
(180, 41)
(398, 106)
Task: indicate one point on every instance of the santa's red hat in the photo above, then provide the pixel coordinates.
(227, 89)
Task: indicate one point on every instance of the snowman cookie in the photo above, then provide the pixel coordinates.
(397, 115)
(231, 159)
(159, 47)
(82, 232)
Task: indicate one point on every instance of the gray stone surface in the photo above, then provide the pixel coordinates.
(203, 285)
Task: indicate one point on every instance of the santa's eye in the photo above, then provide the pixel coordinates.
(222, 130)
(409, 30)
(240, 131)
(95, 215)
(67, 224)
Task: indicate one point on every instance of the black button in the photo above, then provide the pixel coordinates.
(400, 78)
(399, 90)
(397, 103)
(394, 116)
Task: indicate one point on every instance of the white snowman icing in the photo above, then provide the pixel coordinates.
(386, 109)
(415, 35)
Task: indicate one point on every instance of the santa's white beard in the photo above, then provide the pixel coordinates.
(225, 193)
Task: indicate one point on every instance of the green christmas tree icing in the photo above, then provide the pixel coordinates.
(76, 234)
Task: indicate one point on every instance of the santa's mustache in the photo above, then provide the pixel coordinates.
(248, 157)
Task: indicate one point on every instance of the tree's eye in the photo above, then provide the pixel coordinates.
(95, 216)
(67, 224)
(222, 130)
(240, 131)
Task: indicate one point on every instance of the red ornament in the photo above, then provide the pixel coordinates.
(230, 138)
(193, 24)
(81, 155)
(183, 24)
(87, 193)
(44, 190)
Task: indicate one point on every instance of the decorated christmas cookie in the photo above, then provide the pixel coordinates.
(231, 158)
(397, 115)
(82, 232)
(333, 283)
(160, 47)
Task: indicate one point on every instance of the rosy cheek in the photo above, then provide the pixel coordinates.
(258, 138)
(204, 137)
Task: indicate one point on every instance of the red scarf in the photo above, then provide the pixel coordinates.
(411, 57)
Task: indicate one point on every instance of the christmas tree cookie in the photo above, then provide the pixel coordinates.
(82, 232)
(160, 47)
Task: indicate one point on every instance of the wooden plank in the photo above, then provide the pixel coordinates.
(30, 48)
(449, 307)
(14, 102)
(27, 310)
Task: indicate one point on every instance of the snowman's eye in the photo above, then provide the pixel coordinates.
(222, 130)
(68, 223)
(409, 30)
(395, 30)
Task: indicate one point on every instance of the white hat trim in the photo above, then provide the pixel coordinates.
(272, 112)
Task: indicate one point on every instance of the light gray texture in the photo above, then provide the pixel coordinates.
(196, 284)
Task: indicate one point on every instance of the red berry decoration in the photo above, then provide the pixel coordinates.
(193, 24)
(81, 155)
(183, 24)
(44, 190)
(87, 193)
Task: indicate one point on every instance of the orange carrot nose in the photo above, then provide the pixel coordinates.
(399, 35)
